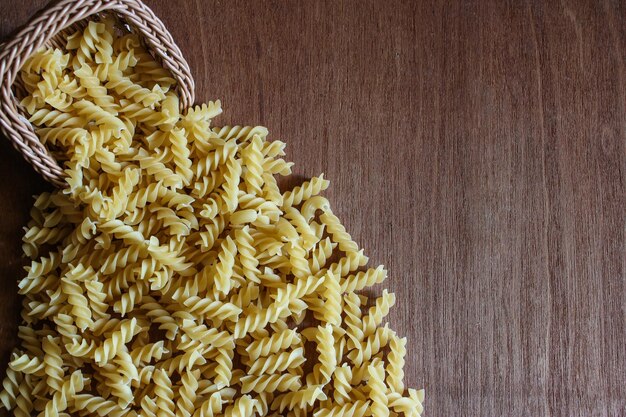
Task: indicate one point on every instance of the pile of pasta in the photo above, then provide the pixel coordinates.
(172, 277)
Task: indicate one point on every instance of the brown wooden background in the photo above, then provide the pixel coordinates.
(475, 147)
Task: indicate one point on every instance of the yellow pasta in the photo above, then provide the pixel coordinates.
(173, 277)
(278, 362)
(326, 348)
(342, 384)
(301, 399)
(187, 394)
(378, 394)
(332, 294)
(164, 393)
(395, 366)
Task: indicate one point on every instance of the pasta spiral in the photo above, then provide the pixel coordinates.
(187, 394)
(80, 305)
(24, 398)
(301, 399)
(210, 407)
(326, 348)
(127, 329)
(305, 191)
(126, 88)
(362, 280)
(378, 312)
(332, 306)
(247, 254)
(269, 383)
(70, 388)
(96, 405)
(395, 367)
(278, 362)
(342, 384)
(338, 232)
(244, 406)
(94, 90)
(224, 361)
(11, 385)
(164, 393)
(253, 158)
(53, 363)
(377, 390)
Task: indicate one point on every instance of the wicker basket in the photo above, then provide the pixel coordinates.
(50, 28)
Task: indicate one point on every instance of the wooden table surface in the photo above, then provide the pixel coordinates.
(477, 148)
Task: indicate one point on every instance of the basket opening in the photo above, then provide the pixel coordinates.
(59, 41)
(126, 40)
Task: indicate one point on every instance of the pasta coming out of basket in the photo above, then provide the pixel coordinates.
(172, 277)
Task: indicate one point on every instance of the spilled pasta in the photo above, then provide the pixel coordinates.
(172, 277)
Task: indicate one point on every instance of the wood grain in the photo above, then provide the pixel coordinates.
(475, 147)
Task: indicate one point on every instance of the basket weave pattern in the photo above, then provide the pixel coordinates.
(51, 28)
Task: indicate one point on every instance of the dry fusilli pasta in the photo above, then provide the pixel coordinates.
(173, 277)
